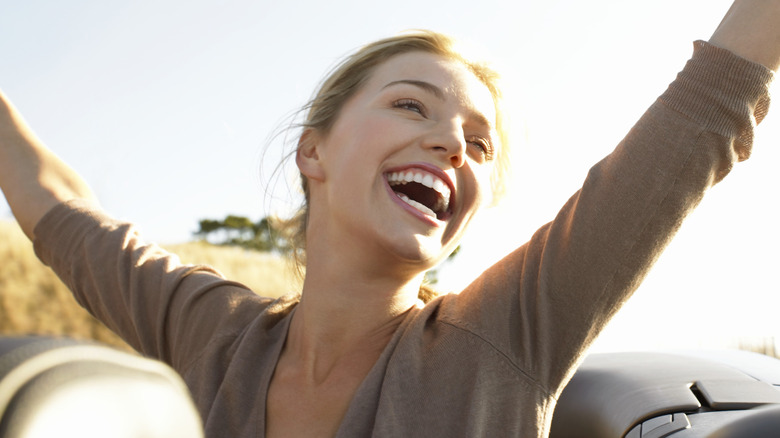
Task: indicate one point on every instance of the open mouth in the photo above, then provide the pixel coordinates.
(422, 190)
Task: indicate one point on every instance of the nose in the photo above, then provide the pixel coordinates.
(447, 141)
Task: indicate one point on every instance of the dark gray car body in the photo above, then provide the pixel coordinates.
(678, 395)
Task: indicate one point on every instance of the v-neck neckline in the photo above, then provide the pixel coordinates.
(363, 395)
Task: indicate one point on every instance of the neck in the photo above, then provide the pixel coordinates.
(347, 306)
(346, 311)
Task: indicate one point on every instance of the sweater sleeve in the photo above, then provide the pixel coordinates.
(162, 308)
(544, 304)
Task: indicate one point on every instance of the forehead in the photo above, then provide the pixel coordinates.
(459, 84)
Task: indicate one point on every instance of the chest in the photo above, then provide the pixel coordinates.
(295, 409)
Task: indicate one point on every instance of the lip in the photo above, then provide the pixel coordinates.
(429, 168)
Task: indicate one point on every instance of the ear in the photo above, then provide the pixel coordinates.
(307, 156)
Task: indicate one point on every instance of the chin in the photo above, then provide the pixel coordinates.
(424, 254)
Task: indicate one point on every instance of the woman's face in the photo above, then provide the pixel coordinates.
(407, 163)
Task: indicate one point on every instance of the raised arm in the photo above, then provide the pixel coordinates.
(32, 178)
(751, 29)
(545, 303)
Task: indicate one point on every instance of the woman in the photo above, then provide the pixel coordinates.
(400, 149)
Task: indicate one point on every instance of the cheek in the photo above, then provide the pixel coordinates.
(363, 137)
(483, 178)
(383, 132)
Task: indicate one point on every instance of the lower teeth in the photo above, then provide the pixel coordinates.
(422, 208)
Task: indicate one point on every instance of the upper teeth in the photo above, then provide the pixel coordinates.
(428, 180)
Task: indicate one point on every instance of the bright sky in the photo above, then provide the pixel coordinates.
(164, 107)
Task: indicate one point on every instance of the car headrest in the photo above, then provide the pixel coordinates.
(59, 387)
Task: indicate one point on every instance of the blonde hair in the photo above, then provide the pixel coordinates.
(347, 78)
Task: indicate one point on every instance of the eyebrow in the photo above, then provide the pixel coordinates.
(427, 86)
(439, 93)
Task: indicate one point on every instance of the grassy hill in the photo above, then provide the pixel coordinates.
(34, 301)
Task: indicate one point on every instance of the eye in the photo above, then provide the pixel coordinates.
(484, 147)
(411, 105)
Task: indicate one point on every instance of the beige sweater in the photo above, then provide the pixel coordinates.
(489, 361)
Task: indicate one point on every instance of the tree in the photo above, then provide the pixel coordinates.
(264, 235)
(432, 276)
